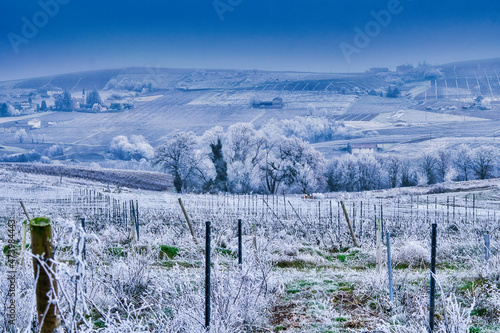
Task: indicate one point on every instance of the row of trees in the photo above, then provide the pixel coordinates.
(379, 171)
(312, 129)
(245, 160)
(7, 110)
(64, 101)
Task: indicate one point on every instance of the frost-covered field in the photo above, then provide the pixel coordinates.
(300, 273)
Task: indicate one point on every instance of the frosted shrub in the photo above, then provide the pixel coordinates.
(123, 148)
(456, 319)
(412, 254)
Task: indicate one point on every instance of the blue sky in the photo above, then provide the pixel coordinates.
(288, 35)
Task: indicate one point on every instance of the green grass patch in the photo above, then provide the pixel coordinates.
(116, 251)
(401, 265)
(14, 249)
(169, 251)
(168, 263)
(469, 285)
(306, 283)
(326, 256)
(65, 249)
(339, 250)
(480, 312)
(99, 324)
(297, 264)
(225, 252)
(360, 267)
(452, 266)
(293, 291)
(168, 312)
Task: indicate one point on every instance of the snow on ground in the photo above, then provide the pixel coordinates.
(148, 98)
(300, 273)
(417, 117)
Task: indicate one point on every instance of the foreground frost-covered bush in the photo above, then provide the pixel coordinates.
(411, 253)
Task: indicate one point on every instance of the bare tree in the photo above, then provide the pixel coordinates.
(392, 166)
(408, 174)
(21, 135)
(443, 164)
(178, 157)
(428, 167)
(483, 162)
(463, 162)
(369, 172)
(293, 163)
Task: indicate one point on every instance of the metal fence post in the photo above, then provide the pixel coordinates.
(207, 275)
(84, 251)
(432, 302)
(240, 243)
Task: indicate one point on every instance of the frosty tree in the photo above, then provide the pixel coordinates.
(178, 157)
(463, 162)
(44, 107)
(21, 135)
(428, 167)
(3, 109)
(243, 151)
(134, 149)
(484, 159)
(93, 98)
(293, 163)
(63, 101)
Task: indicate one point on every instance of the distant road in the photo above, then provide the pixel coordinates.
(258, 116)
(36, 115)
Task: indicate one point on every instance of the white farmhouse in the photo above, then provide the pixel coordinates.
(357, 148)
(35, 123)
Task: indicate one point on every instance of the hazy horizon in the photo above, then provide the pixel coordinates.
(46, 37)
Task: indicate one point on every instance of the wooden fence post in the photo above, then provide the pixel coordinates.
(349, 224)
(389, 267)
(188, 222)
(41, 244)
(23, 241)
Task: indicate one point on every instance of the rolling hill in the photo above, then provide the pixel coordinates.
(197, 100)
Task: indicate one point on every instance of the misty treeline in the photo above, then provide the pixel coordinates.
(246, 160)
(367, 171)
